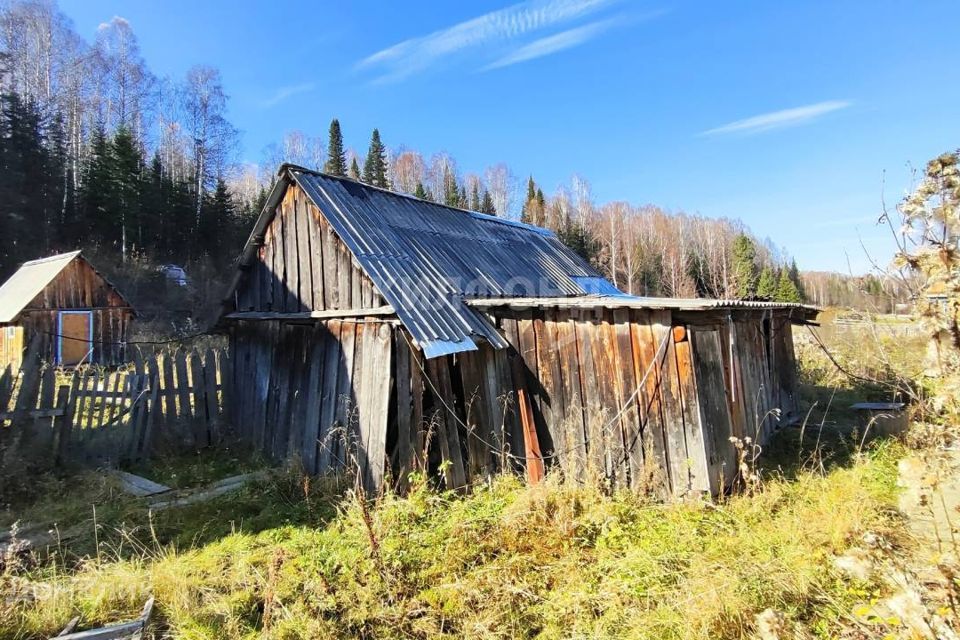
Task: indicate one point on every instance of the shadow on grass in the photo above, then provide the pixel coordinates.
(90, 515)
(831, 436)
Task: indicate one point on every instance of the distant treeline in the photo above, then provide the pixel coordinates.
(874, 293)
(97, 152)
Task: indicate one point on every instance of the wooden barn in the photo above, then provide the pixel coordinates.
(68, 308)
(377, 332)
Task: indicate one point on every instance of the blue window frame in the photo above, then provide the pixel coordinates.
(60, 337)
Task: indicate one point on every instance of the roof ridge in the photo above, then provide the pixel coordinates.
(60, 256)
(486, 217)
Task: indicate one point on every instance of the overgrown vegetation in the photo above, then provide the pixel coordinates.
(506, 561)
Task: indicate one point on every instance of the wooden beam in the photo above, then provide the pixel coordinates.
(385, 310)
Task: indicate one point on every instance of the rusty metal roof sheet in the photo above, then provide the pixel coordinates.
(28, 281)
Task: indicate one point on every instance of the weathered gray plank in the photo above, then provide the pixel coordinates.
(210, 395)
(332, 359)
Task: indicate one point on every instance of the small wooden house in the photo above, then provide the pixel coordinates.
(68, 308)
(377, 332)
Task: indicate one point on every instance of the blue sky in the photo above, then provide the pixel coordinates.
(787, 115)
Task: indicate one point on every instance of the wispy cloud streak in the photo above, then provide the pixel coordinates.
(779, 119)
(284, 93)
(417, 54)
(552, 44)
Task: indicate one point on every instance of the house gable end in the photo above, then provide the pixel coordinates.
(301, 264)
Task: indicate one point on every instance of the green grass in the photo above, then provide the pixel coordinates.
(283, 559)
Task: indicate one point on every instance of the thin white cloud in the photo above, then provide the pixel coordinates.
(417, 54)
(780, 119)
(552, 44)
(283, 93)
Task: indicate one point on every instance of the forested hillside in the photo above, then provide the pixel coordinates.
(98, 152)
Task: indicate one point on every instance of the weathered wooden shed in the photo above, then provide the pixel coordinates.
(68, 308)
(375, 331)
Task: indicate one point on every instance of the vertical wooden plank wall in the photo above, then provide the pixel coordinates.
(303, 266)
(648, 401)
(626, 395)
(320, 392)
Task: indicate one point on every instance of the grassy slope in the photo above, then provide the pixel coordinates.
(506, 561)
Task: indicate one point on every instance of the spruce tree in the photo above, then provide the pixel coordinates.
(486, 204)
(767, 284)
(744, 267)
(126, 169)
(797, 280)
(354, 169)
(451, 194)
(375, 166)
(97, 188)
(336, 157)
(219, 216)
(786, 290)
(526, 212)
(421, 192)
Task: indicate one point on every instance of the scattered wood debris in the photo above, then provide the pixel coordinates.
(122, 631)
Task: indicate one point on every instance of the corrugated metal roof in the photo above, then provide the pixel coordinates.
(638, 302)
(425, 258)
(29, 280)
(438, 265)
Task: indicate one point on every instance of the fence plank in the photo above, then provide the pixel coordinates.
(152, 409)
(93, 381)
(167, 386)
(134, 417)
(227, 391)
(210, 382)
(29, 385)
(197, 392)
(67, 434)
(182, 384)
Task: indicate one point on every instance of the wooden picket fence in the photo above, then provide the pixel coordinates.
(177, 399)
